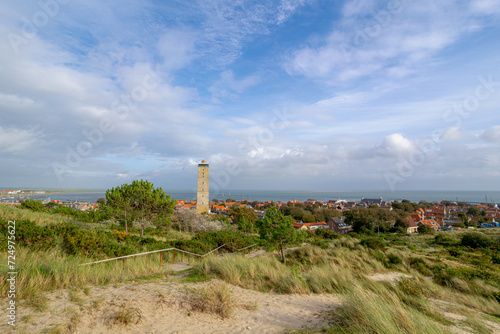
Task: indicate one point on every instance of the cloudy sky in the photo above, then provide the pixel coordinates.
(281, 94)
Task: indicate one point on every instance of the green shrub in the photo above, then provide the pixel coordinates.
(424, 229)
(420, 265)
(443, 240)
(476, 240)
(394, 259)
(327, 234)
(30, 234)
(446, 275)
(373, 243)
(495, 258)
(496, 295)
(455, 251)
(379, 256)
(236, 239)
(33, 205)
(84, 242)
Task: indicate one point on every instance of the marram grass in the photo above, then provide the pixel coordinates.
(50, 270)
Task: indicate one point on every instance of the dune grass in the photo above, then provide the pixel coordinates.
(216, 299)
(40, 271)
(410, 305)
(41, 218)
(366, 311)
(309, 269)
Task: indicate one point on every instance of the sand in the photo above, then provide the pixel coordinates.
(163, 309)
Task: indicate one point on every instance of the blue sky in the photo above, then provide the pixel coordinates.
(283, 94)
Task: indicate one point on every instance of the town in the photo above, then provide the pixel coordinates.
(312, 215)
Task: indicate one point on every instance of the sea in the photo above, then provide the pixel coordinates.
(302, 195)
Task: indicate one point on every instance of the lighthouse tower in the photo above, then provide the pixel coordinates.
(202, 196)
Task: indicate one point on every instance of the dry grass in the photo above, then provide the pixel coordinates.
(41, 218)
(264, 273)
(40, 271)
(309, 269)
(124, 314)
(366, 311)
(216, 299)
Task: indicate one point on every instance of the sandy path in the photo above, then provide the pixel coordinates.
(164, 310)
(391, 277)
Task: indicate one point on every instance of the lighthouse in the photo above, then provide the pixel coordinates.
(202, 201)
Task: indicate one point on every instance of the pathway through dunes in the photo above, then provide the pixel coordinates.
(162, 309)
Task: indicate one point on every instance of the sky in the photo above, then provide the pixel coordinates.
(275, 95)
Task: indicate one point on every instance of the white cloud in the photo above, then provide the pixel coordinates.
(455, 134)
(229, 87)
(14, 101)
(396, 145)
(177, 47)
(229, 25)
(358, 7)
(492, 135)
(17, 141)
(485, 6)
(382, 40)
(287, 8)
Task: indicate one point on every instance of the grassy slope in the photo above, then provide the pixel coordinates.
(465, 284)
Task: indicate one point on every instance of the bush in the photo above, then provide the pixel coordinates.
(424, 229)
(495, 258)
(373, 243)
(420, 265)
(455, 276)
(394, 259)
(236, 239)
(476, 240)
(443, 240)
(217, 300)
(379, 256)
(327, 234)
(30, 234)
(33, 205)
(455, 251)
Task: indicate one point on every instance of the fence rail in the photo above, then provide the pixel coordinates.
(166, 250)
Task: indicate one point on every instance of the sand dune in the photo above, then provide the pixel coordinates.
(162, 308)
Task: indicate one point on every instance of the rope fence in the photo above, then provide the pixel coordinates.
(171, 249)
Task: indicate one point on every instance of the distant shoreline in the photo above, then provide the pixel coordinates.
(285, 196)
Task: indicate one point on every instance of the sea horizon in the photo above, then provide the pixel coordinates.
(469, 196)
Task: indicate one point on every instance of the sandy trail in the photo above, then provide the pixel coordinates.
(163, 309)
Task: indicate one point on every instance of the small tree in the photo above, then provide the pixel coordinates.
(246, 226)
(242, 212)
(401, 226)
(119, 205)
(143, 202)
(464, 218)
(474, 211)
(277, 228)
(33, 205)
(424, 229)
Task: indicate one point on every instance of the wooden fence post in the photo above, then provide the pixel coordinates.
(174, 255)
(160, 259)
